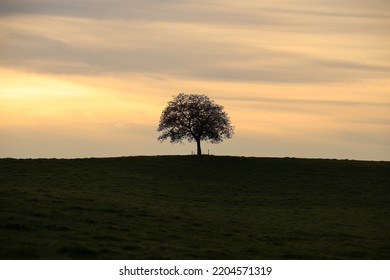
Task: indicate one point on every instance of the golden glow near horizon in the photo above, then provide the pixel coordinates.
(309, 80)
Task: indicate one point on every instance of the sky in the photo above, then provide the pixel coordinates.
(302, 78)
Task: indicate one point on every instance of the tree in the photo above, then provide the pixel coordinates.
(194, 117)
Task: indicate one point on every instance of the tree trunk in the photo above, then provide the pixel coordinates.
(198, 147)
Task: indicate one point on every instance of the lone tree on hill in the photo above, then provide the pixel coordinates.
(194, 117)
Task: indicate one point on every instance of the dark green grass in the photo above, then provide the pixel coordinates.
(187, 207)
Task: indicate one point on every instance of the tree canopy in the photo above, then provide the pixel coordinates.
(194, 117)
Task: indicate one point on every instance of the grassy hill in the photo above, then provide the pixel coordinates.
(187, 207)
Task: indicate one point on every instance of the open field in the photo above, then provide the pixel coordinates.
(187, 207)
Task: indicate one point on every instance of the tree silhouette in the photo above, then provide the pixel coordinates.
(194, 117)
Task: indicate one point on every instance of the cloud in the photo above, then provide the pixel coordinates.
(301, 101)
(295, 14)
(308, 42)
(62, 45)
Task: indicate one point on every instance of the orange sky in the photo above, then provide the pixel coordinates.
(309, 80)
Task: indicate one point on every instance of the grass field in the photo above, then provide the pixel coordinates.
(188, 207)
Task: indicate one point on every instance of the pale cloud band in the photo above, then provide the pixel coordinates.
(209, 40)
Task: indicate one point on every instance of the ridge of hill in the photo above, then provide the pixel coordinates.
(188, 207)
